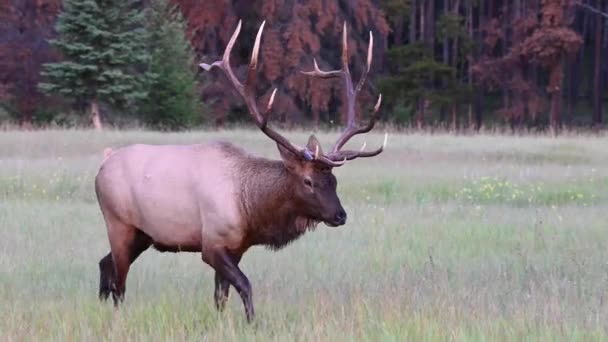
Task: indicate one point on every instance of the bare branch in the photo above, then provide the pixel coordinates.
(592, 9)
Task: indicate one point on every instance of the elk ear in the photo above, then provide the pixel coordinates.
(314, 145)
(290, 159)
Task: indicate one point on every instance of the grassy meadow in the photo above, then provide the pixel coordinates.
(481, 238)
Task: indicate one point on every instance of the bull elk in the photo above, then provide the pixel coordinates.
(217, 199)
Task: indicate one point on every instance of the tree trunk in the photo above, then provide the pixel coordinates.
(455, 56)
(478, 110)
(422, 22)
(454, 119)
(491, 7)
(423, 37)
(422, 105)
(576, 68)
(569, 85)
(455, 65)
(583, 66)
(413, 16)
(470, 61)
(506, 100)
(445, 45)
(95, 115)
(398, 32)
(26, 113)
(316, 118)
(597, 72)
(555, 89)
(446, 42)
(430, 22)
(504, 45)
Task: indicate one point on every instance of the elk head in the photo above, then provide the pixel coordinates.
(309, 167)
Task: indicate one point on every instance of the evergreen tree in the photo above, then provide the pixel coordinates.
(411, 84)
(103, 45)
(172, 100)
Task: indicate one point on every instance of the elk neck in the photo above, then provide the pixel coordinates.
(272, 214)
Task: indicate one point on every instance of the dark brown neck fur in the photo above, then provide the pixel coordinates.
(271, 212)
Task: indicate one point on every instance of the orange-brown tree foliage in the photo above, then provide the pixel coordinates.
(549, 46)
(534, 42)
(295, 32)
(25, 26)
(510, 71)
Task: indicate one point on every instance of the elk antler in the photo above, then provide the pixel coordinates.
(248, 89)
(351, 98)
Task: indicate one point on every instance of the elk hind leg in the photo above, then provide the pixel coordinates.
(106, 276)
(126, 244)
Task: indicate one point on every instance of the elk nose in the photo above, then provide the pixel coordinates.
(341, 216)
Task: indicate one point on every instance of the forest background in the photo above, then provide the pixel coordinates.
(460, 65)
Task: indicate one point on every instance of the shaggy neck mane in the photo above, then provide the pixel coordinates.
(273, 216)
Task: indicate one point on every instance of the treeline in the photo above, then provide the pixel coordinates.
(116, 57)
(455, 64)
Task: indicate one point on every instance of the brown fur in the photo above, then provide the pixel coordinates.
(274, 217)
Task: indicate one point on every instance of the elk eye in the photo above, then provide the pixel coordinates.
(307, 182)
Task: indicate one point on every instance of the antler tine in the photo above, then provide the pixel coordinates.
(270, 102)
(329, 162)
(251, 80)
(350, 155)
(247, 91)
(370, 47)
(351, 98)
(224, 63)
(316, 72)
(352, 130)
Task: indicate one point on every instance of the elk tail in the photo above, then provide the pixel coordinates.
(107, 152)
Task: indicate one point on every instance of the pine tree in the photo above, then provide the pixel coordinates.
(411, 84)
(103, 45)
(172, 100)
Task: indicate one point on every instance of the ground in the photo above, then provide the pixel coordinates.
(448, 238)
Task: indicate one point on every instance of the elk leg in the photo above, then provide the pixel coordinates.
(124, 252)
(222, 287)
(227, 267)
(106, 276)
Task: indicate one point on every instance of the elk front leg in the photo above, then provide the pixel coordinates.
(228, 273)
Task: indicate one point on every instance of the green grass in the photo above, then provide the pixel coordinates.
(483, 238)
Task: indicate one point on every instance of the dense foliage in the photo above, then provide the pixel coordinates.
(172, 100)
(453, 63)
(102, 44)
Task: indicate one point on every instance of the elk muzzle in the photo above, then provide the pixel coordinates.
(338, 219)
